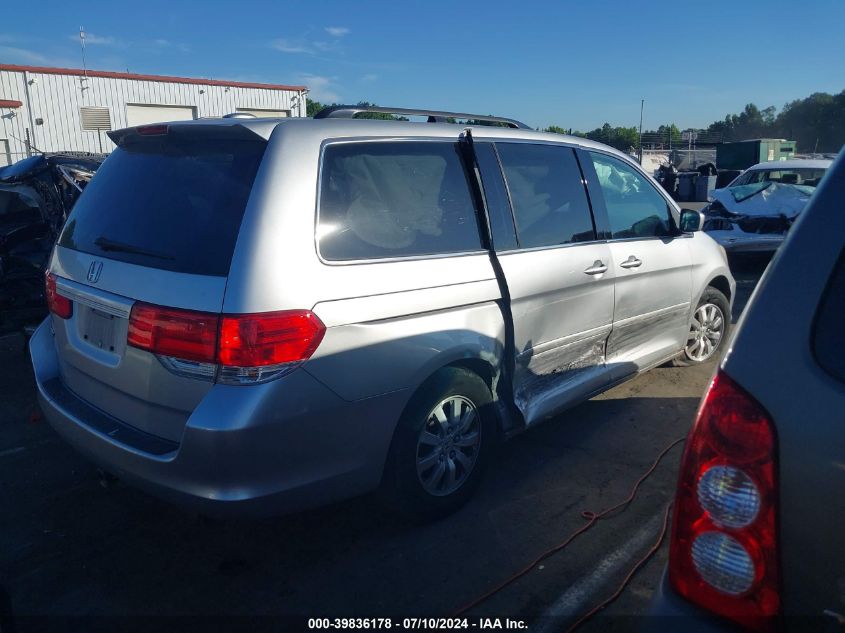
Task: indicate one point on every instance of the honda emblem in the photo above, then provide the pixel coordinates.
(94, 271)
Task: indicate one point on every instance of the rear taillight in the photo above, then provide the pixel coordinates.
(253, 340)
(183, 334)
(724, 551)
(57, 304)
(236, 348)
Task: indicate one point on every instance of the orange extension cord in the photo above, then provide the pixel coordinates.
(592, 519)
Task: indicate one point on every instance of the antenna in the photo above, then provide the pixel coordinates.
(82, 87)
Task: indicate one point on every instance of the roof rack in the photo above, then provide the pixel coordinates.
(434, 116)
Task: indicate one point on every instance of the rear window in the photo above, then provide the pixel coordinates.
(395, 199)
(174, 204)
(828, 333)
(800, 176)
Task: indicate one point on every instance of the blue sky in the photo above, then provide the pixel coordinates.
(573, 64)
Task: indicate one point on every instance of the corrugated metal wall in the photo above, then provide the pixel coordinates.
(13, 122)
(56, 100)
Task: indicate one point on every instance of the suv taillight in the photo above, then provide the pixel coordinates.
(236, 348)
(723, 554)
(61, 306)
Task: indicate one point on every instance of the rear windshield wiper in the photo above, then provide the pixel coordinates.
(106, 245)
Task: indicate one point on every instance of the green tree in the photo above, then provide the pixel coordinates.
(622, 138)
(377, 115)
(312, 107)
(670, 133)
(816, 123)
(556, 129)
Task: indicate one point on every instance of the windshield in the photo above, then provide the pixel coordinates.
(167, 203)
(800, 176)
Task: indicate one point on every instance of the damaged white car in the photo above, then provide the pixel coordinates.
(754, 212)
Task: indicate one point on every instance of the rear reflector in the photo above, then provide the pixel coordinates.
(723, 554)
(57, 304)
(184, 334)
(236, 348)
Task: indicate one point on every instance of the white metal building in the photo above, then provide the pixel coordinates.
(55, 109)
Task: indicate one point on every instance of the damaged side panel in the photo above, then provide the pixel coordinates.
(558, 376)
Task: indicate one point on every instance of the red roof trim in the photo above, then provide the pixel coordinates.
(162, 78)
(10, 103)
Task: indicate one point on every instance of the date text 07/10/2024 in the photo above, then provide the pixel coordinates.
(417, 624)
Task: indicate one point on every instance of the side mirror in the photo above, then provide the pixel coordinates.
(691, 220)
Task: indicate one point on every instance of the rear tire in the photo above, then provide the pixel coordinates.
(709, 329)
(441, 446)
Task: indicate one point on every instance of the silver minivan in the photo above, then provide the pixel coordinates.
(263, 315)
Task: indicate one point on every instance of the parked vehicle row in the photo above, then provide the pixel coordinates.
(256, 315)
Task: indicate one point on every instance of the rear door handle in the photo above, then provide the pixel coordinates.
(632, 262)
(597, 268)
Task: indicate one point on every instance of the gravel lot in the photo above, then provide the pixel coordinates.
(70, 546)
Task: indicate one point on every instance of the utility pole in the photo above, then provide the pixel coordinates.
(690, 145)
(642, 104)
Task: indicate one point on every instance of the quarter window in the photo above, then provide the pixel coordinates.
(634, 207)
(394, 199)
(547, 193)
(828, 334)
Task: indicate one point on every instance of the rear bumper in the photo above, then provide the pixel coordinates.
(264, 449)
(670, 612)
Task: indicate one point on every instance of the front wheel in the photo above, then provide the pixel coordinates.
(708, 329)
(441, 445)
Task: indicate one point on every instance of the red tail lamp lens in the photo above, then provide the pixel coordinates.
(184, 334)
(57, 304)
(723, 554)
(256, 340)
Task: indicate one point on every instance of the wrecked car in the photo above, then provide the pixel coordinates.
(754, 212)
(36, 194)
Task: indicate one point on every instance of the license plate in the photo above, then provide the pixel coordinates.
(99, 330)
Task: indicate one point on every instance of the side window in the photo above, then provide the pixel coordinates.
(828, 334)
(394, 199)
(549, 201)
(634, 207)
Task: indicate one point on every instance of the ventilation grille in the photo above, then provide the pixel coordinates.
(95, 118)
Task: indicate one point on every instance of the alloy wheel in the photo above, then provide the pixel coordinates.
(706, 332)
(448, 445)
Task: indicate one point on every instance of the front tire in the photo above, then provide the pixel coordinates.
(708, 329)
(441, 445)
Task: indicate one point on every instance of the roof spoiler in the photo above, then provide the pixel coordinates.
(234, 130)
